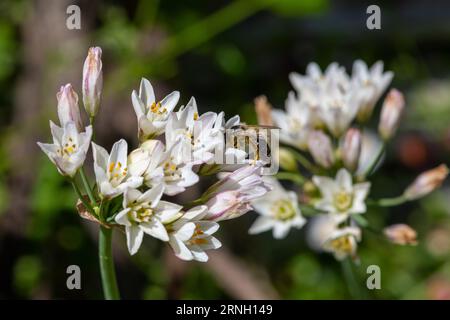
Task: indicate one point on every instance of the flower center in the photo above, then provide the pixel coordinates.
(116, 173)
(284, 210)
(140, 213)
(156, 108)
(171, 170)
(343, 200)
(69, 148)
(342, 244)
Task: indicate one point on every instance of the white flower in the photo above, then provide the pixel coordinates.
(230, 197)
(152, 115)
(68, 109)
(190, 236)
(197, 134)
(369, 85)
(92, 81)
(146, 213)
(343, 242)
(69, 147)
(294, 123)
(111, 171)
(160, 166)
(338, 109)
(278, 210)
(319, 229)
(340, 197)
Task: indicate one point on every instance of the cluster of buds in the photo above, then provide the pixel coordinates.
(331, 153)
(176, 147)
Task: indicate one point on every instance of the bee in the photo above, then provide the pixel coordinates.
(253, 139)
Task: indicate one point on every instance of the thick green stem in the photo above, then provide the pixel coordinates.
(302, 160)
(108, 273)
(391, 202)
(350, 279)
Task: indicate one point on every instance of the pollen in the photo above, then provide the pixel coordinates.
(111, 166)
(198, 241)
(195, 115)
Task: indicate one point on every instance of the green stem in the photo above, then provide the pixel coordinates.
(350, 279)
(391, 202)
(294, 177)
(108, 274)
(302, 160)
(87, 186)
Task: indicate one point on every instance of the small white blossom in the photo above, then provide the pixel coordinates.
(343, 242)
(69, 148)
(340, 197)
(151, 114)
(146, 213)
(369, 85)
(197, 133)
(111, 170)
(160, 166)
(191, 235)
(278, 211)
(294, 123)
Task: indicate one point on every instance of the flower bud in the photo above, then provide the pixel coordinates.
(401, 234)
(426, 182)
(68, 109)
(92, 81)
(390, 114)
(287, 159)
(263, 111)
(351, 149)
(319, 145)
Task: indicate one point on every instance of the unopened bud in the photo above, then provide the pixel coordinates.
(263, 111)
(401, 234)
(68, 109)
(391, 112)
(351, 149)
(92, 81)
(426, 182)
(319, 145)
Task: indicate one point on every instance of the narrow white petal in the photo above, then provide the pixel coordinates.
(261, 224)
(134, 238)
(155, 229)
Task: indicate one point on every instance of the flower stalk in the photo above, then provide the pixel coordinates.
(107, 270)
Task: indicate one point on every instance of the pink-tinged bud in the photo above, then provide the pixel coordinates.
(92, 81)
(351, 149)
(320, 147)
(401, 234)
(426, 182)
(391, 112)
(68, 109)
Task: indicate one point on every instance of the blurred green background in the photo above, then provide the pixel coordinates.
(224, 53)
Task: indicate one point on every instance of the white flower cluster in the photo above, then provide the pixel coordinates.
(174, 147)
(323, 122)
